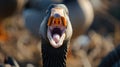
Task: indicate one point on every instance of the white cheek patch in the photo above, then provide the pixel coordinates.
(57, 11)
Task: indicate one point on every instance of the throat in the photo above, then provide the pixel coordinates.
(54, 57)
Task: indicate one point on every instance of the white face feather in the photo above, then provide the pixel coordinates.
(56, 27)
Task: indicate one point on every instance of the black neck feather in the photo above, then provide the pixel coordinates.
(54, 57)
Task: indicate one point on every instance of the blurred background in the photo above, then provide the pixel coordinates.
(96, 36)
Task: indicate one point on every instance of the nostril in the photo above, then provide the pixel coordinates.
(56, 15)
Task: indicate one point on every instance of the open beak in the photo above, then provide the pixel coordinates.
(56, 30)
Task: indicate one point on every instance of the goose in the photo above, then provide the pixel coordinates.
(81, 15)
(56, 31)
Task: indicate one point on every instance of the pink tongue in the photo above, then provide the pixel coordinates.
(56, 37)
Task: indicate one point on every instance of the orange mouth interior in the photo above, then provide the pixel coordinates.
(57, 21)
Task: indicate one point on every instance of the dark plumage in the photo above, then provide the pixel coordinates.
(112, 59)
(53, 57)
